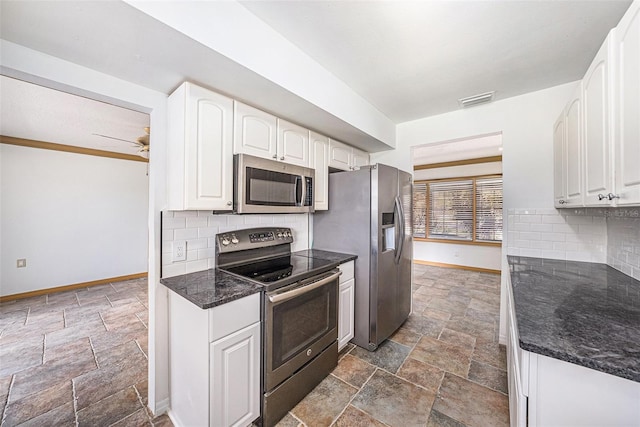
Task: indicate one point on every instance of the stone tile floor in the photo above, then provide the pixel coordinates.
(76, 358)
(80, 358)
(443, 367)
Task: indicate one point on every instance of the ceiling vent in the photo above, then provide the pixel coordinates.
(482, 98)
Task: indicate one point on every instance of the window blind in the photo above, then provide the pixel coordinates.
(419, 209)
(450, 208)
(489, 210)
(459, 210)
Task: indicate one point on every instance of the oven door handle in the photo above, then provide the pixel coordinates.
(303, 289)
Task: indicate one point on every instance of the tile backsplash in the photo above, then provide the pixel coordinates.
(623, 244)
(576, 234)
(199, 228)
(609, 236)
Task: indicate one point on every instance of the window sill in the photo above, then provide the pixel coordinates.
(457, 242)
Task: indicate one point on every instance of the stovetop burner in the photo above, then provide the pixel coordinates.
(281, 271)
(264, 255)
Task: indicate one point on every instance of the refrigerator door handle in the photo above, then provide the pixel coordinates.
(399, 224)
(403, 236)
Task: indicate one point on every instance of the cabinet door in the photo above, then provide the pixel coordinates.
(517, 398)
(596, 93)
(339, 155)
(573, 123)
(359, 158)
(235, 378)
(254, 132)
(559, 161)
(320, 163)
(627, 108)
(293, 144)
(208, 157)
(346, 313)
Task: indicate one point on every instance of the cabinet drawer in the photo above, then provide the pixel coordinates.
(347, 271)
(233, 316)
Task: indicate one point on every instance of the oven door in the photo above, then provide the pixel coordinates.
(301, 321)
(265, 186)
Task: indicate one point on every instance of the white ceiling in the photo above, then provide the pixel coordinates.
(34, 112)
(413, 59)
(410, 59)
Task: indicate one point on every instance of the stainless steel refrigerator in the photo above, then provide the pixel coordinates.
(370, 215)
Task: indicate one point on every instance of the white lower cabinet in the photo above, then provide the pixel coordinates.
(235, 370)
(544, 391)
(214, 362)
(346, 304)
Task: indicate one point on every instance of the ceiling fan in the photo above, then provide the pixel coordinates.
(142, 142)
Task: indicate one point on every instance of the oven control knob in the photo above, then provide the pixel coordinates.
(234, 240)
(309, 352)
(279, 235)
(225, 241)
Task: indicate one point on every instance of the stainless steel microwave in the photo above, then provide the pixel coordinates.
(267, 186)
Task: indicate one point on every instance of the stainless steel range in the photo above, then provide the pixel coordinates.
(299, 314)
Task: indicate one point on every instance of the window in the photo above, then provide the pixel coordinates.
(460, 210)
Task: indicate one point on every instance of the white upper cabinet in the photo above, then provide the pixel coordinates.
(339, 155)
(254, 132)
(293, 144)
(596, 99)
(344, 157)
(262, 135)
(359, 158)
(627, 107)
(319, 149)
(200, 152)
(559, 162)
(573, 161)
(602, 125)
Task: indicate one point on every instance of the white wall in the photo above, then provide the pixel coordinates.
(19, 62)
(527, 158)
(75, 218)
(464, 255)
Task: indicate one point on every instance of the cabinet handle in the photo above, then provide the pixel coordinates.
(601, 197)
(275, 156)
(229, 203)
(612, 196)
(562, 202)
(282, 158)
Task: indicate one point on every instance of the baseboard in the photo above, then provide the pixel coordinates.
(71, 287)
(162, 407)
(462, 267)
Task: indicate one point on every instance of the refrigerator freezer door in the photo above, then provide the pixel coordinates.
(384, 270)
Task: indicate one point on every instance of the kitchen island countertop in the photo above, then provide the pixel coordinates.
(579, 312)
(210, 288)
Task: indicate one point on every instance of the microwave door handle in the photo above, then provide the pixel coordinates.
(299, 195)
(303, 197)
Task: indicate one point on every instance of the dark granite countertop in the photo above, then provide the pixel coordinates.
(211, 287)
(326, 255)
(583, 313)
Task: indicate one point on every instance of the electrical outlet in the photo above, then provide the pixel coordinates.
(180, 250)
(22, 262)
